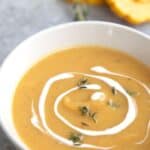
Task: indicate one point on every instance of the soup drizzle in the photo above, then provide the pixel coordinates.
(146, 136)
(130, 116)
(99, 69)
(35, 120)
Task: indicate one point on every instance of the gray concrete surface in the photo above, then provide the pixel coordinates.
(21, 18)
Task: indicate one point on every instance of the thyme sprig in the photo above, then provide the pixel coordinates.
(131, 93)
(113, 104)
(76, 138)
(82, 83)
(93, 116)
(80, 10)
(85, 111)
(114, 90)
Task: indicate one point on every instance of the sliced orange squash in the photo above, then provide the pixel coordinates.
(133, 11)
(95, 2)
(91, 2)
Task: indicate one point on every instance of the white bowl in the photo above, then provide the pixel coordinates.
(59, 37)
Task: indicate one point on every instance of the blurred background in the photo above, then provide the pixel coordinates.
(20, 19)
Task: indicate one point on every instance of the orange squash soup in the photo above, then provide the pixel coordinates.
(88, 98)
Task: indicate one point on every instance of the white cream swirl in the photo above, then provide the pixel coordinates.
(42, 101)
(100, 69)
(130, 117)
(128, 120)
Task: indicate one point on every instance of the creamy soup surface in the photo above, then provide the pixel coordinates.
(88, 98)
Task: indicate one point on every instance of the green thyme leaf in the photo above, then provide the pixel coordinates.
(113, 104)
(114, 91)
(80, 10)
(131, 93)
(84, 110)
(76, 138)
(82, 82)
(93, 116)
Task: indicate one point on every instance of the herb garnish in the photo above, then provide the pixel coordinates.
(85, 111)
(76, 138)
(114, 91)
(93, 116)
(80, 10)
(82, 82)
(113, 104)
(131, 93)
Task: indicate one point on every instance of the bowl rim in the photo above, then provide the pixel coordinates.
(55, 28)
(73, 23)
(69, 24)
